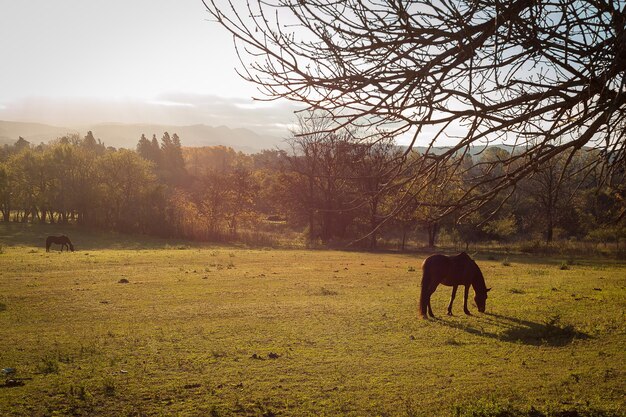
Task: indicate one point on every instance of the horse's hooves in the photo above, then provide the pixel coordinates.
(468, 312)
(449, 313)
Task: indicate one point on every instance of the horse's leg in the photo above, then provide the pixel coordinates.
(430, 293)
(465, 309)
(454, 287)
(430, 310)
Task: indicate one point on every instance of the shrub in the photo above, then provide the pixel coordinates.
(108, 386)
(326, 291)
(48, 365)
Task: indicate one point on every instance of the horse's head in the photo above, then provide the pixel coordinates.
(481, 300)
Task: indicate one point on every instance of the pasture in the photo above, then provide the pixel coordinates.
(145, 327)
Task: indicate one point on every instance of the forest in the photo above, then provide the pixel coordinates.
(320, 190)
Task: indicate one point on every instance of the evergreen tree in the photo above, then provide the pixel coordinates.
(21, 143)
(176, 154)
(155, 151)
(89, 141)
(172, 163)
(91, 144)
(144, 147)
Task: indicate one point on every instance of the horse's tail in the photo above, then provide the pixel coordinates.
(424, 297)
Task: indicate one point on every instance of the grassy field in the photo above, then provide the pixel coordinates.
(216, 331)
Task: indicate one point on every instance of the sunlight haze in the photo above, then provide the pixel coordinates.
(75, 62)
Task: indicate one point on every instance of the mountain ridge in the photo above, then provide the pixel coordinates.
(126, 135)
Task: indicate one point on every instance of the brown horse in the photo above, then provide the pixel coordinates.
(62, 240)
(452, 271)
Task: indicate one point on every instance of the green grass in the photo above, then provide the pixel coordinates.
(215, 331)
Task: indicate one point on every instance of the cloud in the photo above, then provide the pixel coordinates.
(168, 109)
(169, 103)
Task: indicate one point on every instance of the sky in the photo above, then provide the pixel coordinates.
(68, 62)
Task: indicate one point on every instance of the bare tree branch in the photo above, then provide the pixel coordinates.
(546, 77)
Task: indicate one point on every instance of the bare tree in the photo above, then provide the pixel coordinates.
(373, 174)
(552, 190)
(324, 163)
(546, 77)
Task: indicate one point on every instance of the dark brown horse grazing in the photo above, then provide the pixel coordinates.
(452, 271)
(62, 240)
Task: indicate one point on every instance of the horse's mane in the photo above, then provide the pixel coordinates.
(479, 281)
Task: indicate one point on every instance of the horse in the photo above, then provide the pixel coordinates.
(452, 271)
(62, 240)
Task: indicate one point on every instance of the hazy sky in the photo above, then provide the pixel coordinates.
(67, 61)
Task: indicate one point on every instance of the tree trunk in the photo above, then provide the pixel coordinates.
(233, 227)
(549, 229)
(374, 224)
(403, 245)
(433, 228)
(374, 235)
(311, 225)
(326, 229)
(374, 240)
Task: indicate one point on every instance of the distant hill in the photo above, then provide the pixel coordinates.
(474, 150)
(35, 133)
(122, 135)
(126, 135)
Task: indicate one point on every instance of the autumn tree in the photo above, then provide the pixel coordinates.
(6, 191)
(324, 165)
(240, 201)
(375, 168)
(551, 191)
(205, 159)
(32, 183)
(64, 163)
(434, 194)
(210, 196)
(271, 170)
(124, 180)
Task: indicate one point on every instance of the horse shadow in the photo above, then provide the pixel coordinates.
(515, 330)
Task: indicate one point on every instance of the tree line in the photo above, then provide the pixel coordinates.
(545, 77)
(326, 188)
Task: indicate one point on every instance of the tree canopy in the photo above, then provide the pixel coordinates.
(545, 77)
